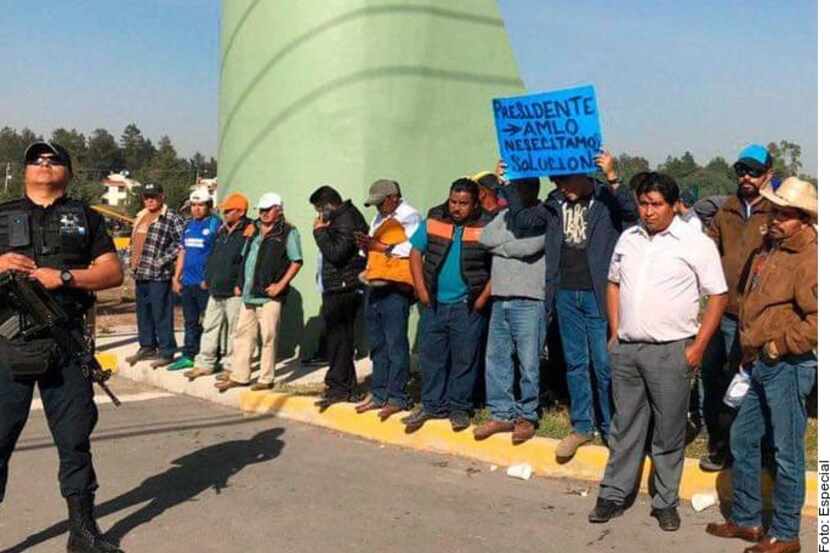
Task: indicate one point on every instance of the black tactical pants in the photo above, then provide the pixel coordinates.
(71, 413)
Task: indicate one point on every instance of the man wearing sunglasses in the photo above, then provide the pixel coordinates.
(64, 245)
(738, 230)
(221, 273)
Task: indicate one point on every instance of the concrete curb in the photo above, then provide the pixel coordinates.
(587, 464)
(437, 436)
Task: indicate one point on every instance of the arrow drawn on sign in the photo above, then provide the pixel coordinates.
(511, 129)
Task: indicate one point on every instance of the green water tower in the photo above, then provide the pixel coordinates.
(344, 92)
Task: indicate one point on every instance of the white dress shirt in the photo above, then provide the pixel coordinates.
(662, 279)
(408, 217)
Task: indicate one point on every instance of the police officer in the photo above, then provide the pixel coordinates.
(64, 245)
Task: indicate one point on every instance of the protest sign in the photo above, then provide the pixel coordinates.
(552, 133)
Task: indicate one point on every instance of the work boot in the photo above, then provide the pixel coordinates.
(84, 534)
(196, 372)
(143, 354)
(729, 529)
(605, 510)
(459, 420)
(493, 426)
(162, 361)
(523, 430)
(568, 446)
(774, 545)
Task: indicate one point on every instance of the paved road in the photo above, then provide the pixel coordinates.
(181, 475)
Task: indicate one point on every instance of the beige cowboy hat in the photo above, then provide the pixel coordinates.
(794, 192)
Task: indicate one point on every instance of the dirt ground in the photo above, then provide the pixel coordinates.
(116, 308)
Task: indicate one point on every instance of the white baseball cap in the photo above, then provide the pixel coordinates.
(269, 200)
(200, 196)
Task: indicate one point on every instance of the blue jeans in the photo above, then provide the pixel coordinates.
(154, 312)
(720, 362)
(448, 355)
(774, 405)
(584, 333)
(194, 302)
(387, 324)
(517, 327)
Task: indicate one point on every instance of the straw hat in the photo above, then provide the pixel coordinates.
(794, 192)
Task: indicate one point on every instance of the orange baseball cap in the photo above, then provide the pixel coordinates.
(234, 200)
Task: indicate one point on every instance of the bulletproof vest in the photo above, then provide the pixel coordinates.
(57, 238)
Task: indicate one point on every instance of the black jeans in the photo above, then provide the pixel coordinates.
(339, 313)
(71, 412)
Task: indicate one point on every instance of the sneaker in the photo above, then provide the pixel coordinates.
(605, 510)
(459, 420)
(568, 446)
(262, 386)
(181, 364)
(668, 518)
(161, 361)
(143, 354)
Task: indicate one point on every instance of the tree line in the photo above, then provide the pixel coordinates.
(97, 155)
(100, 153)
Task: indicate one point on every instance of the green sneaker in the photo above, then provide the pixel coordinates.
(181, 364)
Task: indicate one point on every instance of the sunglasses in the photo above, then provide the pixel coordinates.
(47, 161)
(741, 170)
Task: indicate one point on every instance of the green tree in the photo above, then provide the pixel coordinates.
(786, 158)
(136, 150)
(168, 170)
(680, 167)
(74, 142)
(103, 155)
(629, 165)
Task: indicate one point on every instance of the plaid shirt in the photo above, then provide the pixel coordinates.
(161, 246)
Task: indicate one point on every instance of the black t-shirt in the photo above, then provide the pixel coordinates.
(92, 234)
(573, 268)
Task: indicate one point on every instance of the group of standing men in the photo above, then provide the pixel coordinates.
(622, 268)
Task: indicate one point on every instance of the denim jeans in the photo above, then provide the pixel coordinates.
(387, 323)
(720, 362)
(774, 405)
(154, 312)
(517, 328)
(448, 355)
(584, 333)
(194, 302)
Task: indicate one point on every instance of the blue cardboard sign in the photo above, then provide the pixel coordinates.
(552, 133)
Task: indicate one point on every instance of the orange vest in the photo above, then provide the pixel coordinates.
(383, 267)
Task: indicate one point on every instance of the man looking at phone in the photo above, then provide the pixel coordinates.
(334, 232)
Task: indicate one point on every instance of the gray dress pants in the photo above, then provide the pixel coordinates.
(650, 384)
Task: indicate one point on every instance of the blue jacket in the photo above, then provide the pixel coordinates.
(609, 213)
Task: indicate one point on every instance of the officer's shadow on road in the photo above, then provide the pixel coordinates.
(208, 468)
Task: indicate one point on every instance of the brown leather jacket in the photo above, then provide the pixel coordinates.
(737, 238)
(780, 296)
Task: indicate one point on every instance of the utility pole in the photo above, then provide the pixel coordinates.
(8, 178)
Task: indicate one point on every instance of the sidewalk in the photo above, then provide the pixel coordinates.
(588, 464)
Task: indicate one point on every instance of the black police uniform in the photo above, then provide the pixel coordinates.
(65, 235)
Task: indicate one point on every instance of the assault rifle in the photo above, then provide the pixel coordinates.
(40, 315)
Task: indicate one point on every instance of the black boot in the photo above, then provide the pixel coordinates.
(84, 534)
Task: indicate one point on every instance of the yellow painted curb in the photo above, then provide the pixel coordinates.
(587, 464)
(108, 361)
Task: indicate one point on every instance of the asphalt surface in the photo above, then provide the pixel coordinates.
(179, 475)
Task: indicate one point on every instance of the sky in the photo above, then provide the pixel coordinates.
(707, 76)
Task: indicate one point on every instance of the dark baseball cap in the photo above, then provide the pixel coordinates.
(36, 149)
(380, 189)
(151, 189)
